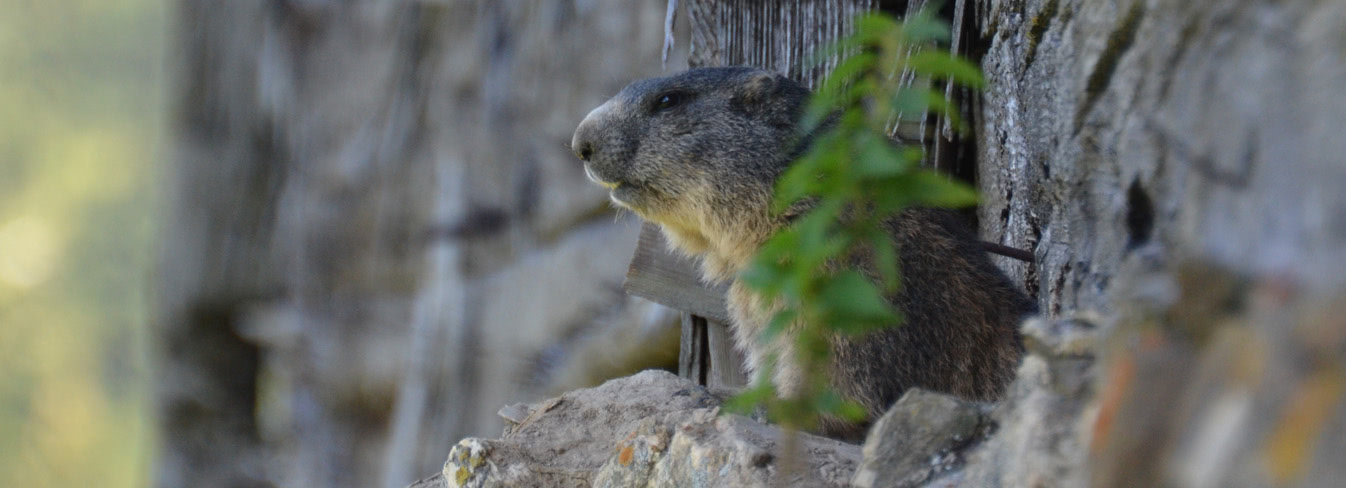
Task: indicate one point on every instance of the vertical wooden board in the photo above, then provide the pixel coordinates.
(779, 35)
(726, 363)
(686, 346)
(692, 356)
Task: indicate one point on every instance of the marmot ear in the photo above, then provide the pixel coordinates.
(758, 90)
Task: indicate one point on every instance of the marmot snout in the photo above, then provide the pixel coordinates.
(699, 153)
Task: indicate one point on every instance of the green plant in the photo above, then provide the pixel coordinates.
(849, 179)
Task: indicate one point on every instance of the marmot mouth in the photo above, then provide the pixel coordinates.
(610, 185)
(624, 194)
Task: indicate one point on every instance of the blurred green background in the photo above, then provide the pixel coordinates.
(81, 118)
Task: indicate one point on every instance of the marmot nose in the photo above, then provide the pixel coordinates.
(584, 144)
(584, 150)
(589, 134)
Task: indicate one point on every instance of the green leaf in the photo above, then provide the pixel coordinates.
(838, 194)
(856, 94)
(937, 190)
(892, 194)
(850, 122)
(847, 72)
(806, 177)
(779, 322)
(913, 154)
(878, 157)
(855, 303)
(765, 275)
(819, 109)
(745, 401)
(911, 103)
(873, 26)
(921, 187)
(780, 246)
(793, 413)
(797, 183)
(813, 226)
(885, 258)
(813, 349)
(941, 106)
(923, 27)
(833, 403)
(945, 66)
(771, 271)
(817, 241)
(828, 402)
(852, 411)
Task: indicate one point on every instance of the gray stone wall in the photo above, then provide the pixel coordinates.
(378, 237)
(1117, 132)
(1175, 168)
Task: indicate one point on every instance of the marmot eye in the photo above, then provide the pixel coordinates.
(667, 101)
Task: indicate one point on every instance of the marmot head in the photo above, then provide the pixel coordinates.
(684, 149)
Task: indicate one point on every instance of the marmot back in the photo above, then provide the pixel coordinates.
(699, 153)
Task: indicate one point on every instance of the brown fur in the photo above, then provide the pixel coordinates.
(699, 153)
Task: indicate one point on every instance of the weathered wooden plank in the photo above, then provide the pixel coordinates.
(783, 36)
(726, 363)
(691, 357)
(707, 354)
(664, 277)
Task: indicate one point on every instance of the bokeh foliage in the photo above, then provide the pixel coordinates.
(80, 118)
(850, 179)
